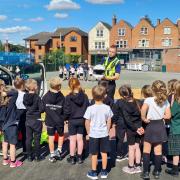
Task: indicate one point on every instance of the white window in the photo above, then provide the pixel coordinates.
(99, 45)
(143, 43)
(121, 31)
(144, 30)
(167, 30)
(99, 33)
(122, 43)
(166, 42)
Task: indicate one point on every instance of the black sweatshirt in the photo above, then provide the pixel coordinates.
(10, 116)
(53, 105)
(127, 115)
(75, 106)
(34, 107)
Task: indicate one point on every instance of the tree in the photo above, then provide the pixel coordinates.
(1, 46)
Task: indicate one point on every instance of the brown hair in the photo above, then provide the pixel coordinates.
(98, 93)
(160, 92)
(177, 91)
(74, 84)
(31, 84)
(171, 86)
(2, 83)
(19, 82)
(126, 92)
(113, 46)
(55, 83)
(146, 91)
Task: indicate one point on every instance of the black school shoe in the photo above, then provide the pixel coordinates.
(29, 158)
(39, 158)
(79, 159)
(172, 172)
(145, 175)
(71, 160)
(156, 174)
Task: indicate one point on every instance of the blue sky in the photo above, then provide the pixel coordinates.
(22, 18)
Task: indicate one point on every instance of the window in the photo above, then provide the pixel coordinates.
(144, 30)
(99, 33)
(166, 42)
(73, 49)
(121, 32)
(73, 38)
(99, 45)
(122, 44)
(143, 43)
(39, 47)
(167, 30)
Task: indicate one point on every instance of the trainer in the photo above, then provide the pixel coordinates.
(112, 70)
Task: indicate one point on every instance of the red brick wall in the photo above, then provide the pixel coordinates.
(159, 34)
(114, 34)
(136, 34)
(171, 58)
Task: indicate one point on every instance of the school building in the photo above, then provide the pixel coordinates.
(73, 40)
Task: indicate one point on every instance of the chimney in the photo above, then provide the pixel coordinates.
(158, 21)
(114, 20)
(178, 23)
(6, 46)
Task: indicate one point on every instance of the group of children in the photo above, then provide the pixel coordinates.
(79, 72)
(141, 122)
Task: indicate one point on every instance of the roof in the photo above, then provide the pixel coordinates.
(42, 38)
(65, 31)
(128, 24)
(106, 25)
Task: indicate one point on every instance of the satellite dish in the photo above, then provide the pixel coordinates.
(98, 71)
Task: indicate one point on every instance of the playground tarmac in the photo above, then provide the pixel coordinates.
(136, 79)
(61, 170)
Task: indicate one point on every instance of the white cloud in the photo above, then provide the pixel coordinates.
(17, 19)
(62, 5)
(38, 19)
(61, 15)
(3, 17)
(15, 29)
(105, 1)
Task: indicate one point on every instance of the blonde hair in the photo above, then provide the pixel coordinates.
(4, 99)
(171, 86)
(31, 84)
(160, 92)
(55, 83)
(146, 91)
(177, 91)
(98, 93)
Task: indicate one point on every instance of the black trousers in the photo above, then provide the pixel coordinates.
(21, 115)
(36, 135)
(111, 89)
(120, 134)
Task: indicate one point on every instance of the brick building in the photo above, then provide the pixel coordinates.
(73, 40)
(98, 44)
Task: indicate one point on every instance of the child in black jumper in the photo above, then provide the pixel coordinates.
(53, 102)
(10, 126)
(130, 112)
(34, 107)
(76, 104)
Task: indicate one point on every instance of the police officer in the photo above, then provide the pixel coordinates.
(112, 70)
